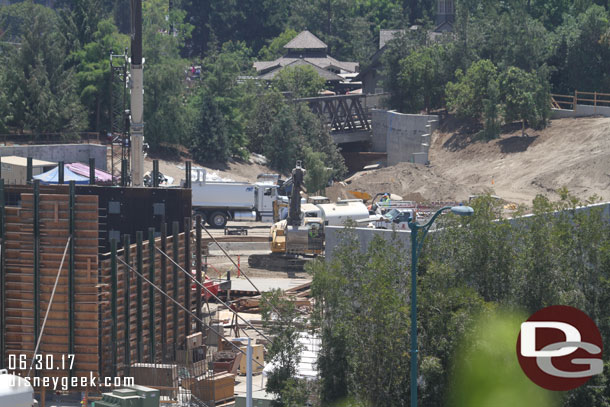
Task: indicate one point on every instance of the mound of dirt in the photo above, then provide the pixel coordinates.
(414, 182)
(572, 153)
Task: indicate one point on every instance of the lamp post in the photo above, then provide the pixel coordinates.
(415, 249)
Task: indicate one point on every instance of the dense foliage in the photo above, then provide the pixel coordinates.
(497, 66)
(532, 47)
(470, 268)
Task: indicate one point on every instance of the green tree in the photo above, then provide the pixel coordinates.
(526, 98)
(210, 141)
(285, 323)
(261, 109)
(422, 79)
(168, 114)
(93, 72)
(300, 81)
(317, 175)
(79, 20)
(220, 134)
(282, 144)
(476, 95)
(466, 96)
(581, 47)
(275, 48)
(40, 90)
(398, 49)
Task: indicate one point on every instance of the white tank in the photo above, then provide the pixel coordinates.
(335, 214)
(15, 391)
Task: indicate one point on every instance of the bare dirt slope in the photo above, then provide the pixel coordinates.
(237, 171)
(574, 153)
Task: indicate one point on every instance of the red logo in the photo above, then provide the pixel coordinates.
(560, 348)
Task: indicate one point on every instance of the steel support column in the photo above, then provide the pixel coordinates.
(113, 303)
(29, 170)
(60, 172)
(198, 275)
(92, 171)
(2, 278)
(164, 286)
(127, 304)
(36, 225)
(151, 292)
(176, 293)
(188, 266)
(71, 267)
(139, 236)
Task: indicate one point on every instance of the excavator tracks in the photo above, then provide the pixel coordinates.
(277, 262)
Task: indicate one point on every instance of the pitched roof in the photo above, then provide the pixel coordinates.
(387, 35)
(306, 40)
(327, 75)
(323, 63)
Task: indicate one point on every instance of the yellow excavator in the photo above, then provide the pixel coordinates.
(295, 238)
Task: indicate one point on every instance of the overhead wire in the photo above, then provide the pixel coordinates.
(213, 295)
(187, 310)
(46, 315)
(239, 268)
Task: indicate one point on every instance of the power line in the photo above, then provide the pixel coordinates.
(213, 295)
(187, 310)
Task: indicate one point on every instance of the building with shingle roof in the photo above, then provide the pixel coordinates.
(306, 50)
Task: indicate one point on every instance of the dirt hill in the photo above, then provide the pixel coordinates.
(574, 153)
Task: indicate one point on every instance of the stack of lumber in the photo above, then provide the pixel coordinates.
(300, 295)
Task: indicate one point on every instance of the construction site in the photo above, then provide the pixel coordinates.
(129, 280)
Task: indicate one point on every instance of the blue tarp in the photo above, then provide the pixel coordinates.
(52, 177)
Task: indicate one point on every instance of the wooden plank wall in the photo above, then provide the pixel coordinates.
(20, 285)
(122, 341)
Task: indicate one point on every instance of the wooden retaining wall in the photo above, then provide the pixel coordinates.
(93, 315)
(123, 344)
(27, 297)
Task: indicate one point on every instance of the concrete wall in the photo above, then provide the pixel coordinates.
(334, 235)
(67, 153)
(405, 137)
(581, 111)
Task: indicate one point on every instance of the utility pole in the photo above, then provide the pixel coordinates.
(137, 95)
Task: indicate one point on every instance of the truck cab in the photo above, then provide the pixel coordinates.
(266, 195)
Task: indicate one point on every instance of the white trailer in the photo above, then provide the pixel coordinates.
(335, 214)
(219, 202)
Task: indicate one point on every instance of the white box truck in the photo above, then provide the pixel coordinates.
(218, 202)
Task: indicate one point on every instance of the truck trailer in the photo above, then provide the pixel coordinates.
(218, 202)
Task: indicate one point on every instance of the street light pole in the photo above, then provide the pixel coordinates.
(415, 249)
